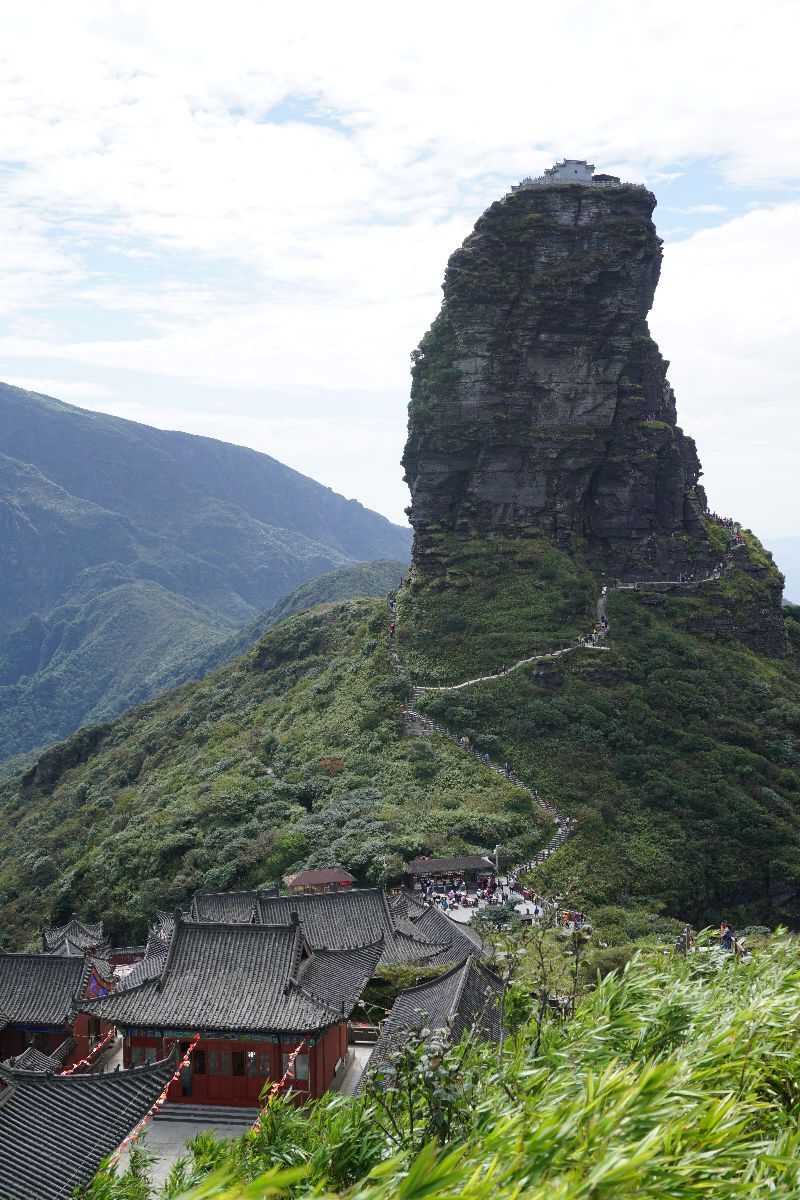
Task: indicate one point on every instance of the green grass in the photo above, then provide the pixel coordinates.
(678, 754)
(675, 1079)
(476, 605)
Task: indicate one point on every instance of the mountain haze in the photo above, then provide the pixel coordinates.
(127, 551)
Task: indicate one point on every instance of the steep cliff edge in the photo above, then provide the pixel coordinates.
(540, 403)
(544, 456)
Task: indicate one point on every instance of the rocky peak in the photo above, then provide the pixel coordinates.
(539, 400)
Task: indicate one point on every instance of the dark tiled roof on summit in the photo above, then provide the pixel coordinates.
(56, 1129)
(81, 934)
(218, 977)
(39, 989)
(349, 918)
(466, 998)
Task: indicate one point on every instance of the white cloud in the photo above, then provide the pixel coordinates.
(165, 211)
(62, 389)
(726, 314)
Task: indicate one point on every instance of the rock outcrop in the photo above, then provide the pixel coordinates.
(540, 401)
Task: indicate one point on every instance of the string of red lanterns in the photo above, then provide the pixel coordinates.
(160, 1100)
(95, 1050)
(279, 1083)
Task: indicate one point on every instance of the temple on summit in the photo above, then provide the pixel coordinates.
(540, 403)
(571, 170)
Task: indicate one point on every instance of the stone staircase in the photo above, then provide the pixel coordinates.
(238, 1119)
(421, 725)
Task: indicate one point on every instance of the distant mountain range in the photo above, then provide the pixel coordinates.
(128, 553)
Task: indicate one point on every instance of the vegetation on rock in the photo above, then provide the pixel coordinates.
(294, 754)
(677, 748)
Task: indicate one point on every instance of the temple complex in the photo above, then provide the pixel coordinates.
(255, 993)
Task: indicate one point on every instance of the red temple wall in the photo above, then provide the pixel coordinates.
(233, 1072)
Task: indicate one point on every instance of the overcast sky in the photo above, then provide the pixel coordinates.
(233, 218)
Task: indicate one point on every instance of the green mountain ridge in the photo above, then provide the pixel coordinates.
(295, 753)
(538, 479)
(130, 552)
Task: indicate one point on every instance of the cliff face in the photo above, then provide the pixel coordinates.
(539, 400)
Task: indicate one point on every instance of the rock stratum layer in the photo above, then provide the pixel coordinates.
(539, 399)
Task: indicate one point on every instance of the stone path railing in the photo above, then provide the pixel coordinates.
(416, 721)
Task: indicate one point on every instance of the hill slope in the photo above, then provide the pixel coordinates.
(128, 551)
(296, 753)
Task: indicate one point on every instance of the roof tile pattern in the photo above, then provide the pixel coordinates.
(346, 919)
(467, 998)
(56, 1129)
(227, 977)
(32, 1059)
(459, 940)
(149, 967)
(224, 906)
(83, 935)
(39, 989)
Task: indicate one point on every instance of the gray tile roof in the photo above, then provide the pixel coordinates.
(407, 904)
(459, 940)
(32, 1059)
(56, 1129)
(83, 935)
(149, 967)
(163, 924)
(39, 989)
(449, 866)
(349, 918)
(466, 998)
(218, 977)
(224, 906)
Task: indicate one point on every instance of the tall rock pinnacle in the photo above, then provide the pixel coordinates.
(539, 400)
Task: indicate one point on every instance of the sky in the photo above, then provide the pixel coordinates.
(233, 218)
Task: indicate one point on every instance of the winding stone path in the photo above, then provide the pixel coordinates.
(417, 722)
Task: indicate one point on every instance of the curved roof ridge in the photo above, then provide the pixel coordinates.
(14, 1074)
(376, 944)
(465, 968)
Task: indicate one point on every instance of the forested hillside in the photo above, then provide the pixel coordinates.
(296, 753)
(126, 552)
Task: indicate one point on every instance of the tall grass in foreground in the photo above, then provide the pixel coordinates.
(677, 1079)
